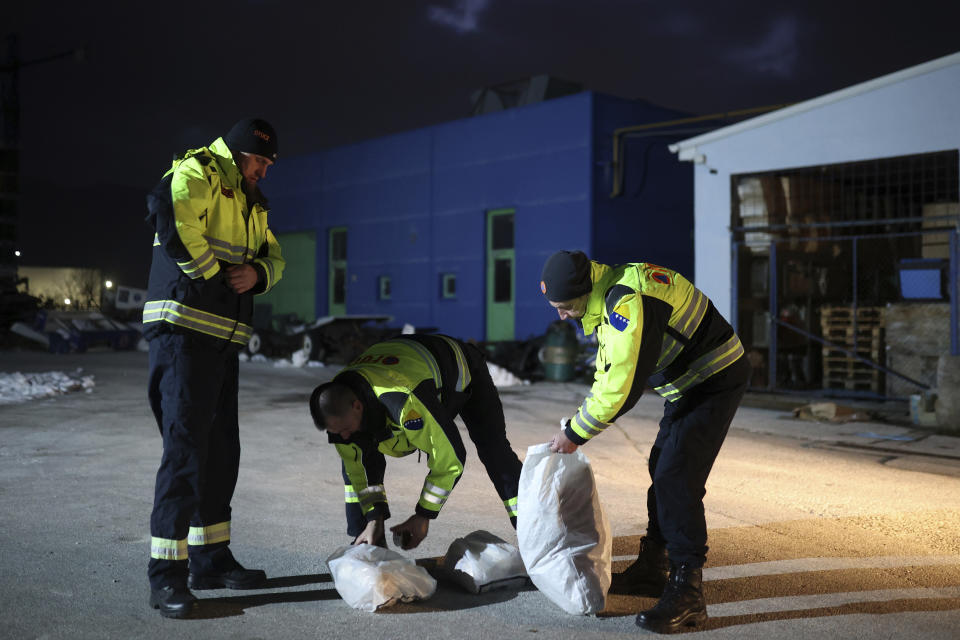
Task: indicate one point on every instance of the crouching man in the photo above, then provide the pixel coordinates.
(400, 396)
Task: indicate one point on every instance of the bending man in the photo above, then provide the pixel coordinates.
(654, 327)
(400, 396)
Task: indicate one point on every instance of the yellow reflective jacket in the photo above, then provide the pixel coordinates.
(205, 223)
(651, 323)
(411, 388)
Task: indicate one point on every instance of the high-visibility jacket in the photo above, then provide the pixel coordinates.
(204, 223)
(652, 326)
(411, 388)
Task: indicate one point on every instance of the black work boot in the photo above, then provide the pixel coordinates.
(647, 576)
(173, 602)
(226, 572)
(681, 605)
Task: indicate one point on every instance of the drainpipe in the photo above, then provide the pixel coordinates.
(618, 134)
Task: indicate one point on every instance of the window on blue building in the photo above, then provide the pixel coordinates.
(448, 285)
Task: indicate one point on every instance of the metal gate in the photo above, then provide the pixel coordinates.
(845, 277)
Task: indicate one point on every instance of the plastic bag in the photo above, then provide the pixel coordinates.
(562, 530)
(368, 577)
(481, 561)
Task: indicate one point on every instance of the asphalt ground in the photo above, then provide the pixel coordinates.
(817, 530)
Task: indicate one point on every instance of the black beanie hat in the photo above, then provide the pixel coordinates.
(253, 135)
(566, 275)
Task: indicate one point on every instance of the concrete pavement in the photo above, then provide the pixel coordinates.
(817, 529)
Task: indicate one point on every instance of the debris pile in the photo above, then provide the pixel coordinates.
(20, 387)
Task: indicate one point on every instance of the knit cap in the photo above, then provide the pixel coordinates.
(253, 135)
(566, 275)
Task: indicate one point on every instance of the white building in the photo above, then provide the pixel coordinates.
(843, 186)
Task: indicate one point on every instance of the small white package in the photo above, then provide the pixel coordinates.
(481, 561)
(368, 577)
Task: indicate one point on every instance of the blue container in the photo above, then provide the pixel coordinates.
(922, 278)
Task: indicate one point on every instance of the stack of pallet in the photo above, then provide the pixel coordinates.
(858, 330)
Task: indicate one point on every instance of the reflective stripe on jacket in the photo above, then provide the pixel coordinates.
(204, 223)
(652, 324)
(411, 385)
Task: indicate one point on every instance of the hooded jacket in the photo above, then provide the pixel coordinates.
(204, 223)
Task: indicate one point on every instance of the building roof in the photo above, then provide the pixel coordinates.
(687, 149)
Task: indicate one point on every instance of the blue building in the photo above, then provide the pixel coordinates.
(448, 226)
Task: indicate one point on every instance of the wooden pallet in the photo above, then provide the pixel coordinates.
(871, 352)
(863, 315)
(852, 385)
(845, 366)
(860, 331)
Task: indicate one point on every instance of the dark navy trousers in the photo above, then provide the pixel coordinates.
(193, 395)
(691, 433)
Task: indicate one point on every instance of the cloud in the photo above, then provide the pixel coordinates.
(462, 18)
(777, 51)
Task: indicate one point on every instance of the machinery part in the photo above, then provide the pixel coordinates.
(255, 344)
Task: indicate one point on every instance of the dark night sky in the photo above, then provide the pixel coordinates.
(162, 77)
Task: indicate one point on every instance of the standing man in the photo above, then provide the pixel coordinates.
(654, 327)
(212, 252)
(400, 396)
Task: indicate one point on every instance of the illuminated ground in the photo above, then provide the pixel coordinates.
(819, 531)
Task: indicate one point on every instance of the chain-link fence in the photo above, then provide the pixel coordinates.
(864, 316)
(845, 276)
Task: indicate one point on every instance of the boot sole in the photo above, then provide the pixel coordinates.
(690, 620)
(203, 584)
(179, 614)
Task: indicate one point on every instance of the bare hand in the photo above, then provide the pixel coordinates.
(241, 277)
(373, 534)
(412, 532)
(562, 444)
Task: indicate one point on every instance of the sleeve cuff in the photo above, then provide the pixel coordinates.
(573, 437)
(261, 285)
(426, 513)
(379, 511)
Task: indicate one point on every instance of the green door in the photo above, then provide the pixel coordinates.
(296, 291)
(337, 270)
(500, 274)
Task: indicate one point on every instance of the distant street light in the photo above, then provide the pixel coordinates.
(66, 301)
(16, 253)
(108, 284)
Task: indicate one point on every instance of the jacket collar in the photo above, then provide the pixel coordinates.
(594, 313)
(228, 165)
(224, 157)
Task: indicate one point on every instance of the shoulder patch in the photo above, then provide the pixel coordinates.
(413, 422)
(614, 295)
(393, 402)
(620, 318)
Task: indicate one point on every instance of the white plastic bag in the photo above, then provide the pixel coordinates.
(562, 531)
(368, 577)
(481, 561)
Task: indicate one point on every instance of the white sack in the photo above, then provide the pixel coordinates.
(481, 561)
(562, 531)
(368, 577)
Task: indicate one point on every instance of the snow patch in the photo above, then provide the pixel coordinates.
(19, 387)
(503, 378)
